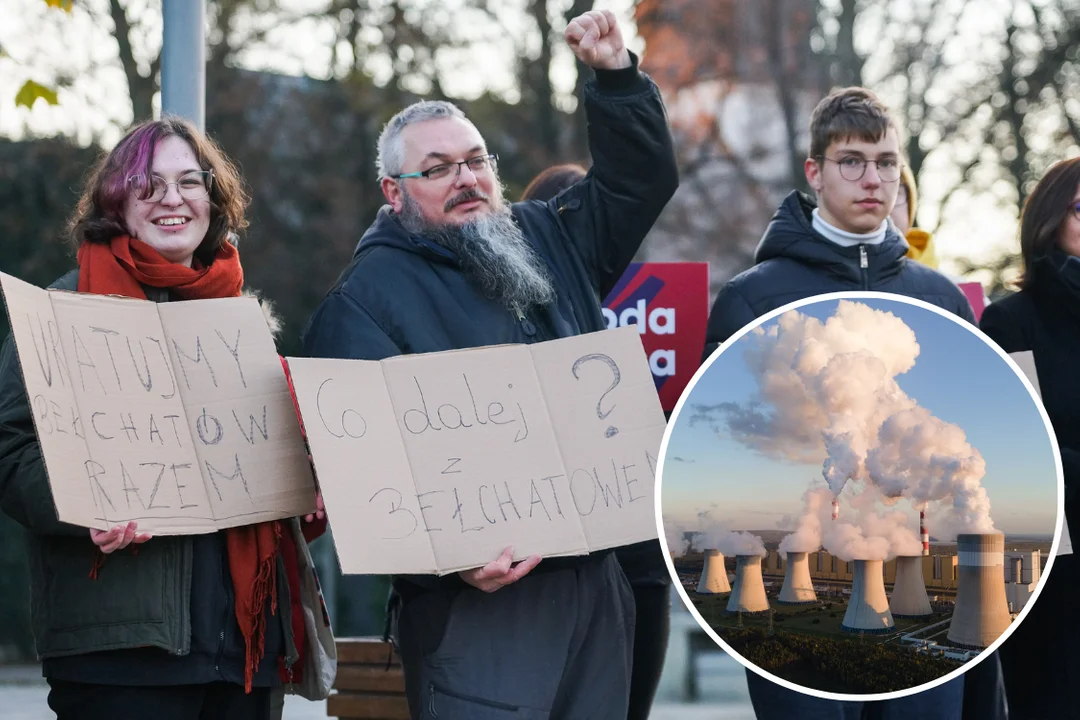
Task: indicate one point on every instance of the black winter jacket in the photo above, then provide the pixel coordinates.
(793, 261)
(404, 294)
(1045, 319)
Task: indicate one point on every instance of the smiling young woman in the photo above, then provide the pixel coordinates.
(177, 627)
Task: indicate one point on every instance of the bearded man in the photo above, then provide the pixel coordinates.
(450, 264)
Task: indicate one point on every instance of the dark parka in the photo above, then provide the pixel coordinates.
(173, 595)
(793, 261)
(1045, 319)
(403, 294)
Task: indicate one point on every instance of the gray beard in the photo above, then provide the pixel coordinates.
(492, 253)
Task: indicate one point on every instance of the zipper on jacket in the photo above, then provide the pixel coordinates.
(864, 263)
(526, 325)
(226, 583)
(466, 698)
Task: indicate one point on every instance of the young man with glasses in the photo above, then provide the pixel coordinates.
(450, 264)
(844, 241)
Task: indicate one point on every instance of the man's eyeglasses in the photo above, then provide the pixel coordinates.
(441, 172)
(853, 167)
(194, 185)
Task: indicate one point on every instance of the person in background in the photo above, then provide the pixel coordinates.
(844, 241)
(450, 264)
(1039, 661)
(642, 563)
(181, 627)
(920, 242)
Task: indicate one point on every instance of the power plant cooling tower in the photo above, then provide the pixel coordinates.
(909, 593)
(982, 612)
(748, 592)
(713, 575)
(868, 610)
(798, 589)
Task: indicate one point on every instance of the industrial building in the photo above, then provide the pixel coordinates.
(714, 579)
(982, 612)
(909, 598)
(798, 588)
(748, 591)
(868, 608)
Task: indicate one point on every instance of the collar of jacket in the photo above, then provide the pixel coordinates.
(1057, 281)
(791, 234)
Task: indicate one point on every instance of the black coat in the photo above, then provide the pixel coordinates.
(793, 261)
(1039, 659)
(1045, 319)
(404, 294)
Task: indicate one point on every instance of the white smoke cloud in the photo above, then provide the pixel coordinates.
(827, 392)
(850, 542)
(928, 460)
(817, 511)
(732, 543)
(675, 532)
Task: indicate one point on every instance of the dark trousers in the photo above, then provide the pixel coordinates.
(651, 628)
(553, 646)
(213, 701)
(774, 702)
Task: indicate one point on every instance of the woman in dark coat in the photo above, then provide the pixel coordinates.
(1039, 660)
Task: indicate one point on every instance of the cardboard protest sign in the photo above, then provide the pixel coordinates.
(435, 463)
(177, 415)
(668, 303)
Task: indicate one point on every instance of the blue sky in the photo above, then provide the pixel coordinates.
(956, 376)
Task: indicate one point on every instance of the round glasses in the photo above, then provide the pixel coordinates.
(194, 185)
(853, 167)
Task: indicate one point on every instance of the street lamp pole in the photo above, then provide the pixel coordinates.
(183, 60)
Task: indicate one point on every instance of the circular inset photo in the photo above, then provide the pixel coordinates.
(859, 496)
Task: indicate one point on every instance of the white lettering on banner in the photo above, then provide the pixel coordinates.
(658, 321)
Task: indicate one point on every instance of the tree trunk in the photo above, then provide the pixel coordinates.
(140, 89)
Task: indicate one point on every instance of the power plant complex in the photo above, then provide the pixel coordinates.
(990, 587)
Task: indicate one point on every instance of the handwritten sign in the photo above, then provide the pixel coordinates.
(435, 463)
(177, 415)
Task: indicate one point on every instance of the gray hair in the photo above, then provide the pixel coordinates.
(391, 149)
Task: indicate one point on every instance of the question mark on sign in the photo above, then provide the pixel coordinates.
(612, 431)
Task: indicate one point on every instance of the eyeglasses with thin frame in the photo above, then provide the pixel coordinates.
(194, 185)
(443, 171)
(853, 167)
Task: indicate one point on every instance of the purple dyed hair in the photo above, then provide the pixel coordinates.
(99, 216)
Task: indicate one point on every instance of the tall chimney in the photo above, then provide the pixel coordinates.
(922, 532)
